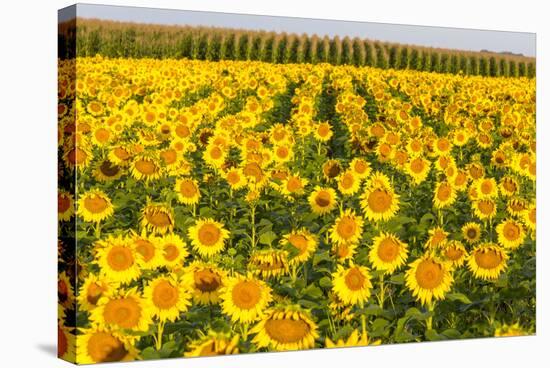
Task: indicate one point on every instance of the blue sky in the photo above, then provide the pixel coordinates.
(453, 38)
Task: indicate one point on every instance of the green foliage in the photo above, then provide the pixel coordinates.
(203, 43)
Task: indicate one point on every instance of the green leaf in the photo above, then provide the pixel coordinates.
(313, 291)
(460, 297)
(267, 238)
(325, 282)
(150, 353)
(432, 335)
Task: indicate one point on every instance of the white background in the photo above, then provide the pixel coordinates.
(28, 136)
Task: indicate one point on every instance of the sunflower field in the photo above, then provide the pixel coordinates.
(242, 206)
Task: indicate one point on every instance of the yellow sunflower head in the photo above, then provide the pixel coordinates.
(208, 237)
(167, 297)
(107, 171)
(95, 206)
(214, 344)
(302, 243)
(347, 229)
(487, 261)
(348, 183)
(245, 298)
(188, 191)
(125, 310)
(352, 284)
(205, 281)
(268, 263)
(510, 233)
(379, 201)
(117, 259)
(285, 328)
(173, 251)
(428, 279)
(101, 345)
(146, 167)
(471, 232)
(354, 339)
(65, 205)
(92, 290)
(388, 253)
(147, 247)
(454, 252)
(322, 200)
(444, 195)
(157, 218)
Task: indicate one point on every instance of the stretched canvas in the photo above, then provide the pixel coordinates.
(234, 184)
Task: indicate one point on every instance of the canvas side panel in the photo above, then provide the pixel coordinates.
(67, 161)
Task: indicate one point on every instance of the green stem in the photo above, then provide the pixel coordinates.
(431, 306)
(159, 335)
(97, 232)
(253, 221)
(382, 292)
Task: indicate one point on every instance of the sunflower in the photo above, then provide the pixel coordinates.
(428, 279)
(323, 132)
(65, 205)
(509, 186)
(418, 168)
(354, 339)
(444, 195)
(302, 243)
(101, 345)
(510, 234)
(348, 228)
(235, 178)
(529, 217)
(437, 237)
(285, 328)
(157, 218)
(486, 188)
(282, 153)
(471, 232)
(147, 247)
(121, 156)
(454, 252)
(188, 191)
(331, 169)
(322, 200)
(343, 251)
(487, 261)
(65, 292)
(92, 290)
(348, 183)
(173, 251)
(244, 298)
(66, 348)
(145, 167)
(167, 297)
(484, 209)
(360, 167)
(517, 206)
(214, 343)
(510, 330)
(352, 285)
(106, 171)
(118, 259)
(388, 253)
(379, 201)
(270, 262)
(95, 206)
(123, 310)
(77, 156)
(293, 185)
(208, 237)
(205, 280)
(214, 155)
